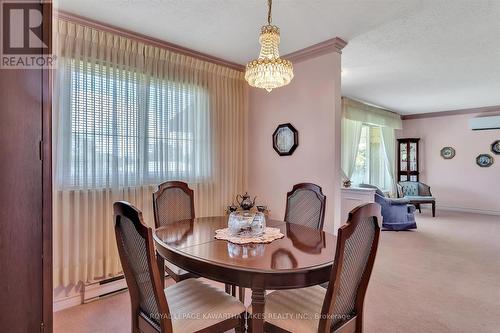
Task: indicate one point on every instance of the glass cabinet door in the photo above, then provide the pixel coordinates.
(413, 156)
(404, 156)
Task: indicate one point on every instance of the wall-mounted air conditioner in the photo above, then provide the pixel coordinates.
(484, 123)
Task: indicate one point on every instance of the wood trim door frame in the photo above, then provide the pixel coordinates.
(46, 156)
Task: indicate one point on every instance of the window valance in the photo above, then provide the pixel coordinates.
(78, 41)
(357, 111)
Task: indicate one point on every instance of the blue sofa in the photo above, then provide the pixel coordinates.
(397, 213)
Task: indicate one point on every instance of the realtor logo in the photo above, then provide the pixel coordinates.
(25, 44)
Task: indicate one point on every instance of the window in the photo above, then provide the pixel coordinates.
(127, 129)
(371, 161)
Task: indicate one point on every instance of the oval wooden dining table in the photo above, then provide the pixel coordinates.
(302, 258)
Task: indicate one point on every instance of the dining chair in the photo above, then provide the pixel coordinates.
(339, 308)
(173, 201)
(186, 306)
(305, 205)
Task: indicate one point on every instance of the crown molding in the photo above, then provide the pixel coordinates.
(335, 44)
(63, 15)
(331, 45)
(486, 109)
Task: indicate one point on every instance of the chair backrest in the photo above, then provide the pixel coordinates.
(382, 200)
(135, 246)
(357, 243)
(305, 205)
(173, 201)
(409, 189)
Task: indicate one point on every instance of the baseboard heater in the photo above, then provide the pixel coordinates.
(103, 288)
(107, 287)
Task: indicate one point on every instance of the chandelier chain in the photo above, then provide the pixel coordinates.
(269, 14)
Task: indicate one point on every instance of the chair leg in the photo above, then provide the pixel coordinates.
(433, 209)
(241, 292)
(249, 322)
(233, 290)
(135, 317)
(242, 323)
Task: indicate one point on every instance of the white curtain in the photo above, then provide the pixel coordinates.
(351, 133)
(355, 115)
(128, 116)
(389, 142)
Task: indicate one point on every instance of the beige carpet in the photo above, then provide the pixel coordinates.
(444, 277)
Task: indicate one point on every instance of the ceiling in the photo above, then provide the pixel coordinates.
(410, 56)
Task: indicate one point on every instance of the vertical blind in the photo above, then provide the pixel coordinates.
(127, 117)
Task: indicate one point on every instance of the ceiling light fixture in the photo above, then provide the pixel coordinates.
(269, 71)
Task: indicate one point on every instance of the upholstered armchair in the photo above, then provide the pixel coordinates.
(397, 214)
(417, 193)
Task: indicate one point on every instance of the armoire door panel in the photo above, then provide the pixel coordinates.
(25, 181)
(20, 200)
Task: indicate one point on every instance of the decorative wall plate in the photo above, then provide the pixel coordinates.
(495, 147)
(448, 153)
(484, 160)
(285, 139)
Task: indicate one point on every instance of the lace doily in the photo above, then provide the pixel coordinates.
(268, 236)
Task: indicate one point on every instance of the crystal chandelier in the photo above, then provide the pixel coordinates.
(269, 71)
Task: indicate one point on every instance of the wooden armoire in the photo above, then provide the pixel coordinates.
(26, 196)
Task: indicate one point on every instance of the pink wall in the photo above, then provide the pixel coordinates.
(459, 182)
(311, 103)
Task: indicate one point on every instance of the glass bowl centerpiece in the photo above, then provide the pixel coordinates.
(246, 223)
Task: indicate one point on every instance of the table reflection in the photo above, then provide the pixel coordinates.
(244, 251)
(177, 233)
(309, 242)
(283, 259)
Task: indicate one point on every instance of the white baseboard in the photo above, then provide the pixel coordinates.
(67, 302)
(468, 210)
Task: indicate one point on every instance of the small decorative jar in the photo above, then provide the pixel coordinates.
(246, 223)
(346, 183)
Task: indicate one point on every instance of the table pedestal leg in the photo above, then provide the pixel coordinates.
(258, 308)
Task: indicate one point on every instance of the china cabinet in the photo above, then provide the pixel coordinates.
(408, 168)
